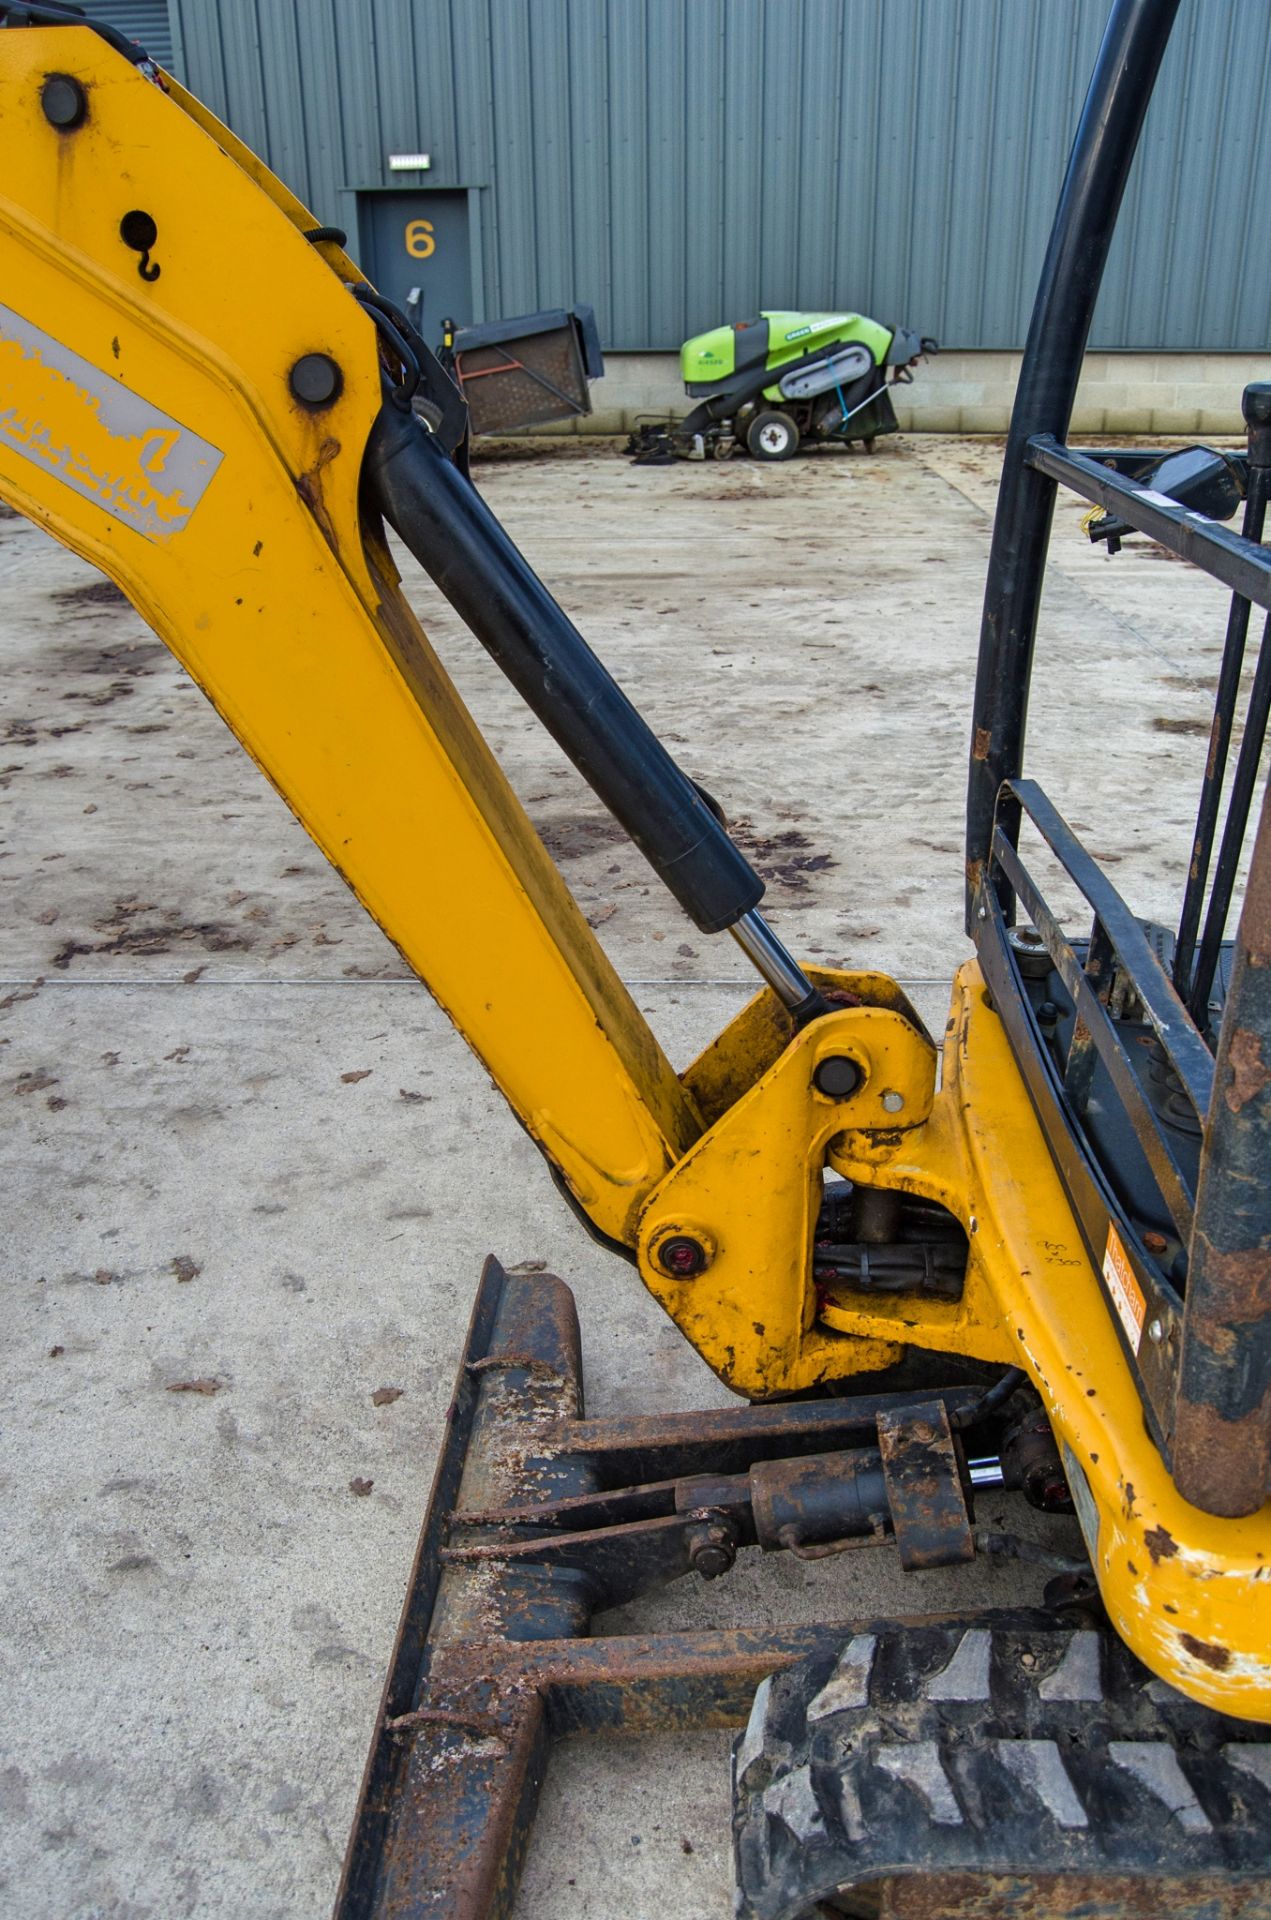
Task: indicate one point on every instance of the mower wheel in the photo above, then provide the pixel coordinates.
(772, 436)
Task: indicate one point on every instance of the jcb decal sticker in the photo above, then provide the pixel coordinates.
(103, 440)
(1127, 1294)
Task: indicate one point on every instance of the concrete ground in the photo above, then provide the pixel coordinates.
(245, 1157)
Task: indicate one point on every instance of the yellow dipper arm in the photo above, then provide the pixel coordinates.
(149, 419)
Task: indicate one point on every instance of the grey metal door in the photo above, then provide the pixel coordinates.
(415, 248)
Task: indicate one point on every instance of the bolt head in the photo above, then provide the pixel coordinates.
(316, 380)
(893, 1102)
(836, 1076)
(1155, 1332)
(711, 1559)
(64, 101)
(682, 1256)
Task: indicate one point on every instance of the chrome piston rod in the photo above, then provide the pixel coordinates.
(779, 969)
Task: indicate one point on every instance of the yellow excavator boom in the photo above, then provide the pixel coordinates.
(190, 382)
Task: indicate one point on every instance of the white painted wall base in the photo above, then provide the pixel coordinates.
(964, 392)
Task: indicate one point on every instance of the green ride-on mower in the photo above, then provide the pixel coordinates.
(771, 385)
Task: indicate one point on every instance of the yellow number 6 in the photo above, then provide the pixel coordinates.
(420, 243)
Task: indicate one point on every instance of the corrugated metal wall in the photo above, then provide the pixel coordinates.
(683, 162)
(149, 21)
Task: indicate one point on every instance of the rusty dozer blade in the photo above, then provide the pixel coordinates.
(540, 1519)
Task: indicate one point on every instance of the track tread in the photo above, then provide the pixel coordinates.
(995, 1750)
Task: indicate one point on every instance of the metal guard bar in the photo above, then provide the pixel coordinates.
(1095, 1206)
(1240, 564)
(1169, 1176)
(1173, 1025)
(1180, 1040)
(1054, 1094)
(1181, 1043)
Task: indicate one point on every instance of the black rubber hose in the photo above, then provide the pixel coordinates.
(462, 547)
(991, 1401)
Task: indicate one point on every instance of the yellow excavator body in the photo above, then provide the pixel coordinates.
(149, 420)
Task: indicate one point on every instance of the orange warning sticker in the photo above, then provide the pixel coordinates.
(1127, 1294)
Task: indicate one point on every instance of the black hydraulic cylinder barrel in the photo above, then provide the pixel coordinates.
(819, 1497)
(1107, 136)
(461, 546)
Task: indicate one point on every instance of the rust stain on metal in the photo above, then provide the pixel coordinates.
(983, 743)
(1220, 1464)
(924, 1487)
(1222, 1427)
(521, 1362)
(485, 1725)
(1250, 1074)
(653, 1682)
(309, 487)
(843, 997)
(1043, 1896)
(1160, 1543)
(1242, 1282)
(1255, 915)
(1206, 1650)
